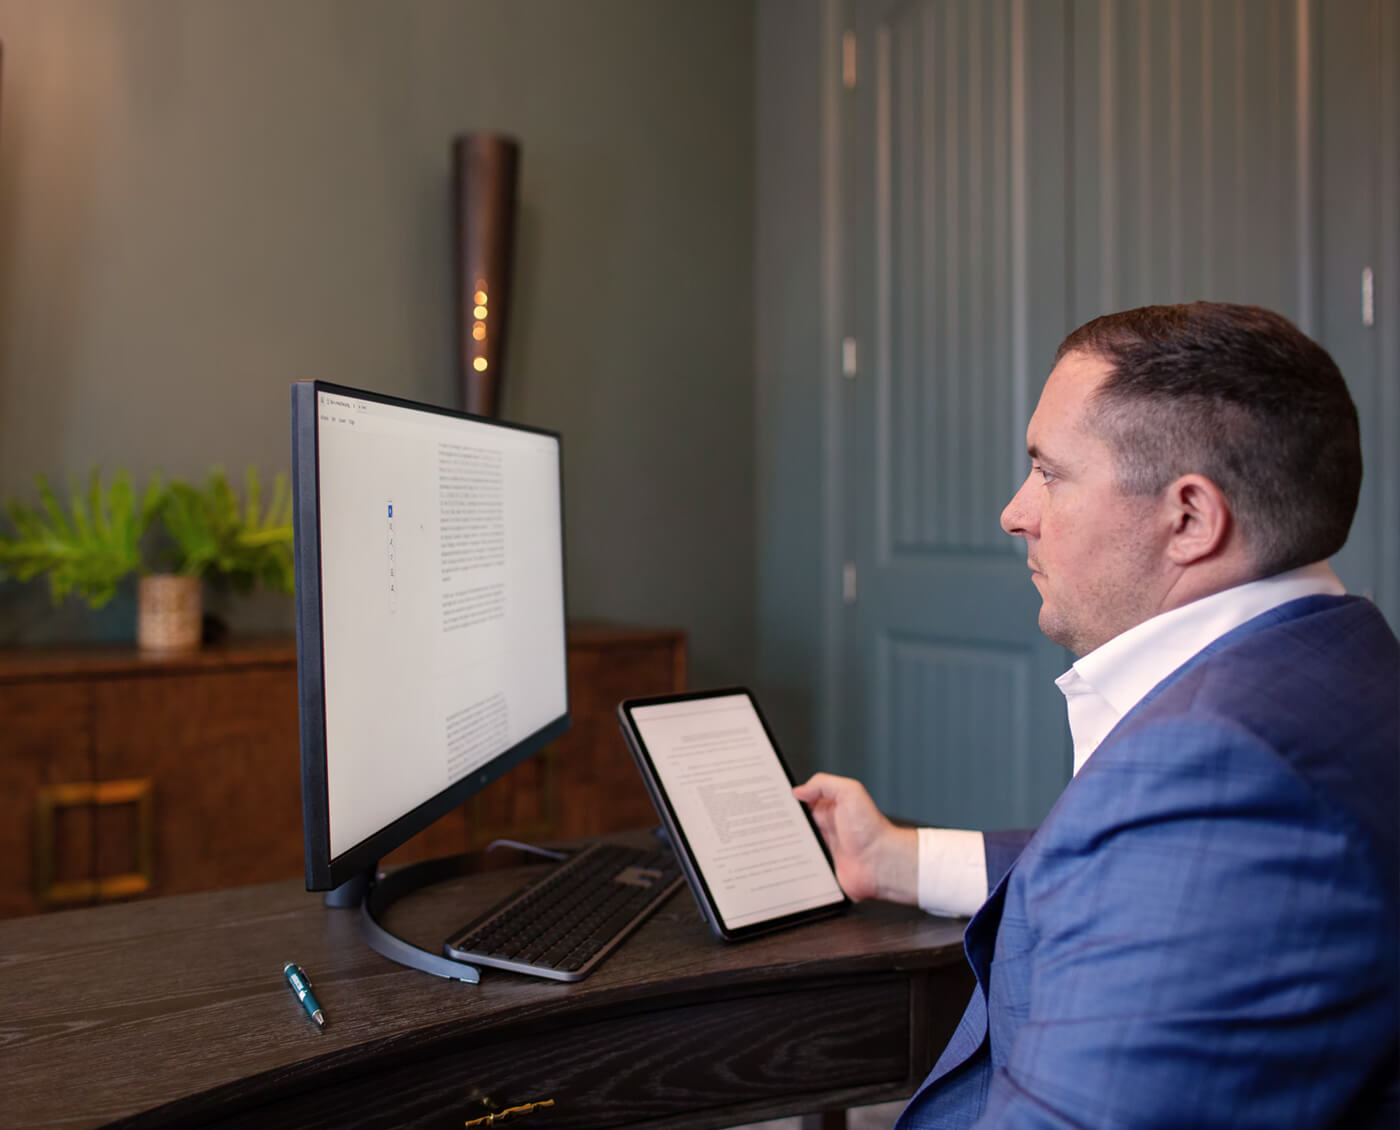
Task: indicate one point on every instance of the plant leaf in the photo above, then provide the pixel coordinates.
(100, 526)
(279, 510)
(51, 505)
(252, 498)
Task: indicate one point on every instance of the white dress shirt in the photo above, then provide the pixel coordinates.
(1100, 689)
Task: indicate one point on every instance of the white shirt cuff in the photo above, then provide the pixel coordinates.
(952, 871)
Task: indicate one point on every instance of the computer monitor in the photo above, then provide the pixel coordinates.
(431, 654)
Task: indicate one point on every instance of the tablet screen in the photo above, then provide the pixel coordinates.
(732, 799)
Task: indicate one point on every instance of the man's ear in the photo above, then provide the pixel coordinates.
(1202, 525)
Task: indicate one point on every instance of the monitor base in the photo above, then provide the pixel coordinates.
(374, 894)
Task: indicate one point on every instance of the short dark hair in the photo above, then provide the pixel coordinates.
(1241, 395)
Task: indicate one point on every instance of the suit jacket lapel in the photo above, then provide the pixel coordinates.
(979, 943)
(979, 939)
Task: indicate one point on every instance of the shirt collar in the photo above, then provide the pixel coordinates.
(1104, 685)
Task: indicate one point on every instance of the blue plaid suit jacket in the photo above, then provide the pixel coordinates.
(1203, 932)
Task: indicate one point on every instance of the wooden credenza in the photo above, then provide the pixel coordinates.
(124, 775)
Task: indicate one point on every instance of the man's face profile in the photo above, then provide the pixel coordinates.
(1093, 550)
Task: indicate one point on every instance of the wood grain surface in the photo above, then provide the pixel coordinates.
(215, 734)
(173, 1012)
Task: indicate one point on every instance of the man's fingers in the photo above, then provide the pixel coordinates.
(820, 786)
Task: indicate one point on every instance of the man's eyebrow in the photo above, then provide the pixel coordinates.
(1040, 457)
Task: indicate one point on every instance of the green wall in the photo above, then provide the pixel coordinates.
(792, 359)
(204, 200)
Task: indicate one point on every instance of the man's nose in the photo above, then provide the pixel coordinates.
(1016, 518)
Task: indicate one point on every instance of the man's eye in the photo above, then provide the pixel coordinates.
(1045, 476)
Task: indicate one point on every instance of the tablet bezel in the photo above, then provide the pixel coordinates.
(680, 843)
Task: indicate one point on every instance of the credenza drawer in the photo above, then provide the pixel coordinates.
(611, 1070)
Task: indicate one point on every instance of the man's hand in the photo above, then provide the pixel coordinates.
(873, 857)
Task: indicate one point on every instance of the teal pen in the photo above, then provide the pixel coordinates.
(301, 985)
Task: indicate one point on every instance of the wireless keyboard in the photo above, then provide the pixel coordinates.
(564, 924)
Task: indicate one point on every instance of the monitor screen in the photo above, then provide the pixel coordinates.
(430, 614)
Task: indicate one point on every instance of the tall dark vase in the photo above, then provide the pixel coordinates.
(484, 169)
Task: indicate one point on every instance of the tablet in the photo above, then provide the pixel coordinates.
(749, 850)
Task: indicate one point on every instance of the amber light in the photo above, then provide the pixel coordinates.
(479, 364)
(479, 332)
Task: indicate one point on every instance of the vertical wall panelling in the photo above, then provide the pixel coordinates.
(928, 686)
(1147, 150)
(1386, 461)
(942, 288)
(1006, 171)
(834, 711)
(1192, 145)
(1236, 151)
(945, 403)
(1356, 61)
(1305, 113)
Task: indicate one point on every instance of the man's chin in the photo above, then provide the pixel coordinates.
(1054, 629)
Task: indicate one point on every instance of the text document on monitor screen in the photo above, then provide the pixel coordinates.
(441, 586)
(732, 798)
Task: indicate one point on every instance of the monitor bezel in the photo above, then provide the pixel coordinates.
(324, 872)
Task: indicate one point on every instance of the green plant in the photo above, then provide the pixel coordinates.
(86, 550)
(101, 537)
(215, 538)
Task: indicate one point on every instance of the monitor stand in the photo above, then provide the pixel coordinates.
(374, 894)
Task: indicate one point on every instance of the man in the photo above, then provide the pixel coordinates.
(1203, 931)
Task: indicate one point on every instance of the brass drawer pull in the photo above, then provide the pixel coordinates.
(100, 794)
(510, 1112)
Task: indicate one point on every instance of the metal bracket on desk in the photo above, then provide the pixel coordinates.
(376, 893)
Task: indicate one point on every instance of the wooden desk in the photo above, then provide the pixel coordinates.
(173, 1012)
